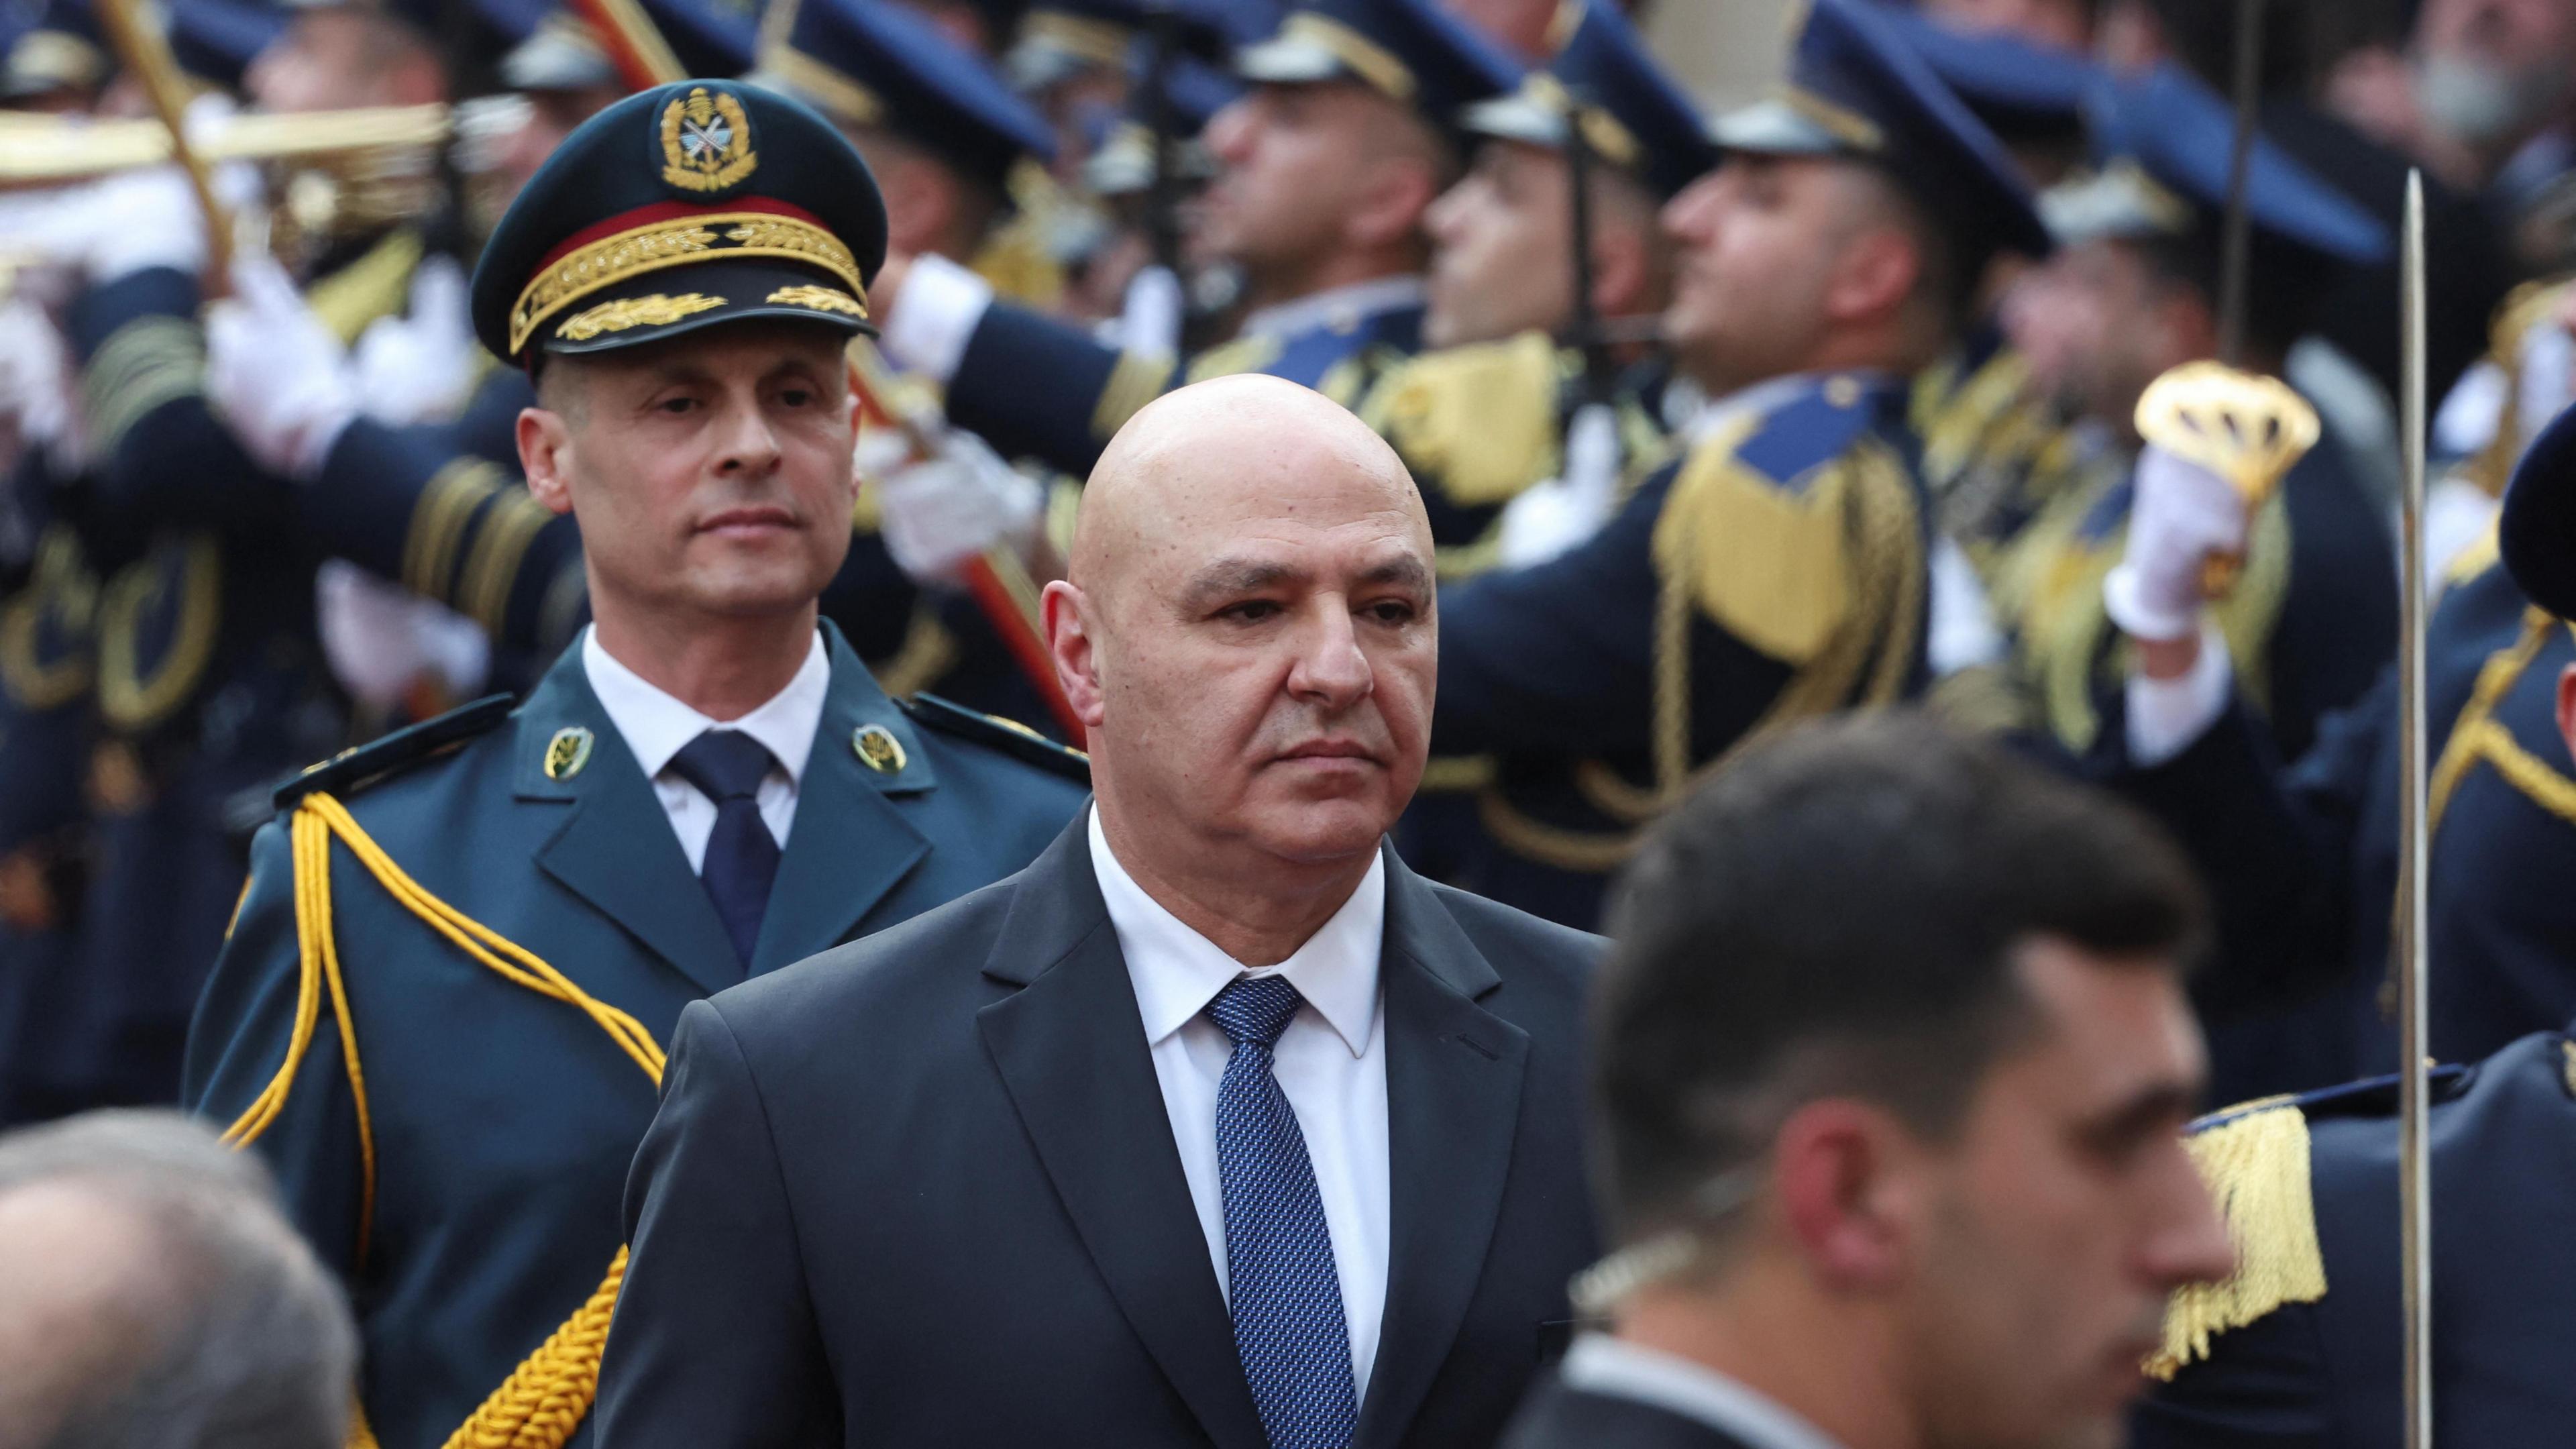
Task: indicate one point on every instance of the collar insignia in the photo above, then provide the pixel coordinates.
(567, 752)
(878, 749)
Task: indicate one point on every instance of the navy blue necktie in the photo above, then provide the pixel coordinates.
(727, 767)
(1287, 1300)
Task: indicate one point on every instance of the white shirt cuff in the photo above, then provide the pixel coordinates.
(2167, 716)
(930, 324)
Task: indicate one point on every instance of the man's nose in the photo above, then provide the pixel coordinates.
(1331, 669)
(1686, 217)
(1229, 133)
(746, 443)
(2187, 1242)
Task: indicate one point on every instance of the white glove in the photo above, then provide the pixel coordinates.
(276, 376)
(381, 639)
(36, 384)
(2182, 514)
(940, 514)
(419, 367)
(150, 218)
(1546, 519)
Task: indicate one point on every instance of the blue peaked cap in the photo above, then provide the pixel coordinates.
(868, 63)
(2164, 142)
(1636, 116)
(1411, 51)
(1855, 88)
(2536, 533)
(2017, 87)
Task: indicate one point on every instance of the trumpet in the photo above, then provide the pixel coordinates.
(40, 151)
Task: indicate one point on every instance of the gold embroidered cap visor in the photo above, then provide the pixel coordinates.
(651, 306)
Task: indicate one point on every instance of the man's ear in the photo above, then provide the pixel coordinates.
(1874, 276)
(1838, 1173)
(544, 446)
(1075, 649)
(1394, 203)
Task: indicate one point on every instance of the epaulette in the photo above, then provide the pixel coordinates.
(353, 770)
(1478, 423)
(2254, 1158)
(1007, 735)
(1814, 426)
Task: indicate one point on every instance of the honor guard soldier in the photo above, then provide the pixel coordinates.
(210, 677)
(1995, 452)
(1324, 171)
(944, 136)
(1777, 570)
(2303, 1345)
(2134, 292)
(506, 909)
(1481, 417)
(1488, 421)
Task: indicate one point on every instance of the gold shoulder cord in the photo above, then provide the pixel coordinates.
(550, 1392)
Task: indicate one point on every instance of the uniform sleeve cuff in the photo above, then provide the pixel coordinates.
(927, 330)
(2168, 716)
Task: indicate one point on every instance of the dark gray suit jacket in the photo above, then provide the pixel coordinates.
(922, 1190)
(1558, 1417)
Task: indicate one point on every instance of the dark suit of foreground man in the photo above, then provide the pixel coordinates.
(505, 910)
(1063, 1159)
(1889, 1068)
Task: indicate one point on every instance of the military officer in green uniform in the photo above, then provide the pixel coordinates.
(1778, 569)
(440, 1012)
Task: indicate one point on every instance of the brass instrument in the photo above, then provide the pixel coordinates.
(40, 151)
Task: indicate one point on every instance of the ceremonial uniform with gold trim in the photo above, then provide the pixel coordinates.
(2309, 621)
(2302, 856)
(470, 1196)
(45, 731)
(1775, 572)
(439, 1015)
(208, 675)
(2304, 1344)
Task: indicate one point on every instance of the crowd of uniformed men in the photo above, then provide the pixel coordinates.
(1878, 391)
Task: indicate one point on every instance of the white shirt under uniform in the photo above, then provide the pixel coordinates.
(657, 726)
(1330, 1062)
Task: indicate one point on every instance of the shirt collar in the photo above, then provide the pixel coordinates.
(657, 726)
(1770, 394)
(1343, 307)
(1616, 1368)
(1177, 972)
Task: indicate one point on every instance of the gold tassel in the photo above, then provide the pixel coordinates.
(1480, 422)
(2256, 1165)
(1768, 562)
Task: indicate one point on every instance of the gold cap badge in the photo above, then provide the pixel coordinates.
(878, 749)
(567, 752)
(706, 141)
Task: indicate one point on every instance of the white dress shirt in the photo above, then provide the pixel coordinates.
(656, 727)
(1615, 1368)
(1330, 1062)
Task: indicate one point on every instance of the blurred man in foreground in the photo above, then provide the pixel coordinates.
(1891, 1060)
(151, 1294)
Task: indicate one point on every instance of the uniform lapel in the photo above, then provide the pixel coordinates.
(1453, 1089)
(615, 847)
(1070, 1047)
(850, 844)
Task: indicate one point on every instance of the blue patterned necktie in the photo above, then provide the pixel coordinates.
(1287, 1300)
(727, 767)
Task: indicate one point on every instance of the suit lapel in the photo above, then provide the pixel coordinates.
(1453, 1088)
(1070, 1046)
(850, 844)
(615, 848)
